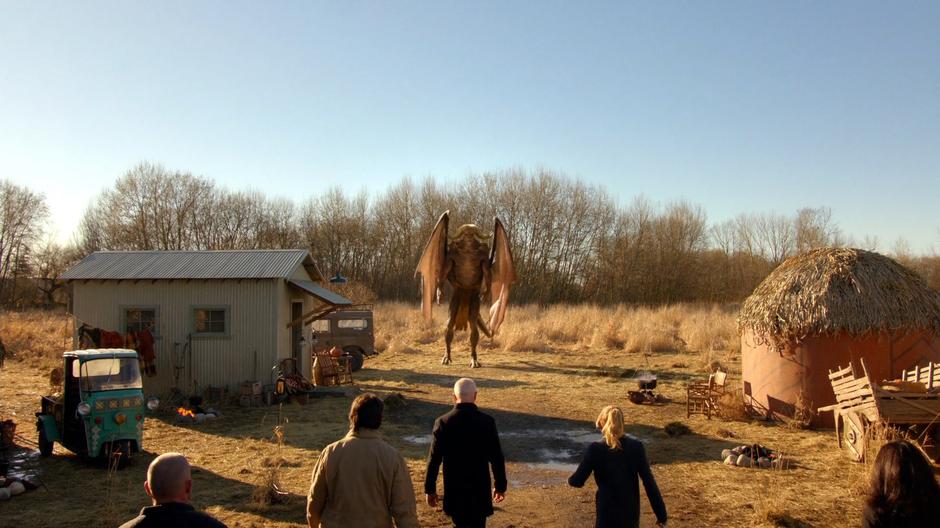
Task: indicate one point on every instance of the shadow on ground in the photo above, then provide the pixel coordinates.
(599, 371)
(532, 438)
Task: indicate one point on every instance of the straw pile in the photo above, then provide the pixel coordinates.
(828, 291)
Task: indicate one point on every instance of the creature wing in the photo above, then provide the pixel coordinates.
(503, 274)
(431, 264)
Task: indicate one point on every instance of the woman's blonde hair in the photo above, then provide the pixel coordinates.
(610, 422)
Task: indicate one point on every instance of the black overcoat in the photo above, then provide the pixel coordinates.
(467, 442)
(616, 471)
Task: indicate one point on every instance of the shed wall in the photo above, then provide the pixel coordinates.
(775, 379)
(247, 352)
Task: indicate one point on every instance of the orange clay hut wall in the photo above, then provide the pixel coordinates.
(775, 379)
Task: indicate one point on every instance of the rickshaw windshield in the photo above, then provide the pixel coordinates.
(111, 374)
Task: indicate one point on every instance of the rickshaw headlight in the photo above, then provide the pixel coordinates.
(83, 409)
(153, 403)
(120, 418)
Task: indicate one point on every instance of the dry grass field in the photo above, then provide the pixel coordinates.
(544, 379)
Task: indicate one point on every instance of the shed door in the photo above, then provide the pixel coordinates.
(296, 331)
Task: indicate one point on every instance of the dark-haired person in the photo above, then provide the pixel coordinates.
(618, 463)
(361, 480)
(904, 492)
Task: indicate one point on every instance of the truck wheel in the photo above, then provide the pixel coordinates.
(118, 454)
(356, 358)
(45, 445)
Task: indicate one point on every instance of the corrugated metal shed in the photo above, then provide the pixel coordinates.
(156, 265)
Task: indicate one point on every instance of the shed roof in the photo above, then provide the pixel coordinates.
(156, 265)
(827, 291)
(321, 293)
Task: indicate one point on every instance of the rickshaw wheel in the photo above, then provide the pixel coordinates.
(45, 445)
(118, 454)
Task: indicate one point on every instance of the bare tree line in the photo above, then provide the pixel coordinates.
(572, 242)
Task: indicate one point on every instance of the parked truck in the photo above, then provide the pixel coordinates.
(350, 329)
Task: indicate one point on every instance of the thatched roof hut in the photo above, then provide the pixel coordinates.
(824, 308)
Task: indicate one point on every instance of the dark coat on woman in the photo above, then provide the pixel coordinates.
(467, 442)
(883, 516)
(618, 488)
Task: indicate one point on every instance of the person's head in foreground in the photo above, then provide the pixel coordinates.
(903, 486)
(169, 479)
(610, 422)
(465, 391)
(366, 412)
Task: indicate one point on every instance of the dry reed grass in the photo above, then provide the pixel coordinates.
(36, 336)
(708, 330)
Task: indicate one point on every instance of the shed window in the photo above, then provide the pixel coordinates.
(210, 321)
(138, 319)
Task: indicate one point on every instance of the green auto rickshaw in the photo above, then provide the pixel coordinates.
(100, 412)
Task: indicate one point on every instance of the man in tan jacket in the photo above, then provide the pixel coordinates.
(361, 480)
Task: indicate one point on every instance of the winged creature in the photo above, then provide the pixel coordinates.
(477, 272)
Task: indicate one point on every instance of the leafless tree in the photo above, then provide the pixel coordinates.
(23, 214)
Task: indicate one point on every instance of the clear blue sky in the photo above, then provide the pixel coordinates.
(737, 106)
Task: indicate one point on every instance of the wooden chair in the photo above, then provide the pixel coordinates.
(329, 370)
(703, 397)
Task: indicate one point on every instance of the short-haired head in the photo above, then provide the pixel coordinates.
(366, 411)
(465, 390)
(169, 479)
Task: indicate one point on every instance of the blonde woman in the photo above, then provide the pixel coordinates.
(617, 462)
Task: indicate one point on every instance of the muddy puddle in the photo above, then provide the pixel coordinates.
(21, 463)
(546, 457)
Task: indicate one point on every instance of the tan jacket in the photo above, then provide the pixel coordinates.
(361, 481)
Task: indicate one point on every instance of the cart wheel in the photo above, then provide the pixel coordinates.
(854, 436)
(45, 445)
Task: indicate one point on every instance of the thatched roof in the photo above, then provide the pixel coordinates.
(831, 290)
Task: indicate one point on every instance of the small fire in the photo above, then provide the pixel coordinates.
(185, 413)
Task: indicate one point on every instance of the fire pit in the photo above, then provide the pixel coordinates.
(195, 416)
(194, 413)
(646, 382)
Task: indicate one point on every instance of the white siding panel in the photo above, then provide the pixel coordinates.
(247, 353)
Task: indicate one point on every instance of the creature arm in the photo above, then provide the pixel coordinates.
(431, 265)
(502, 275)
(487, 278)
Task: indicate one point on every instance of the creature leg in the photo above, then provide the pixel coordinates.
(474, 329)
(448, 339)
(474, 339)
(449, 335)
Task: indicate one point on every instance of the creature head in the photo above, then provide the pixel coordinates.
(469, 236)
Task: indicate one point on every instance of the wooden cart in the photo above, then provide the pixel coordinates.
(861, 403)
